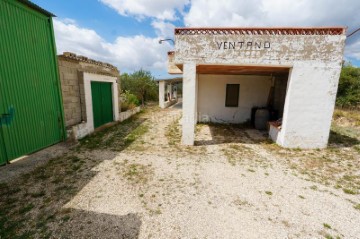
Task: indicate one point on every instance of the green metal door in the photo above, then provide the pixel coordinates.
(29, 83)
(102, 103)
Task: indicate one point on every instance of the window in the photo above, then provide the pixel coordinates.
(232, 95)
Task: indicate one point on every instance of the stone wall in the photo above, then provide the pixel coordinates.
(69, 77)
(71, 70)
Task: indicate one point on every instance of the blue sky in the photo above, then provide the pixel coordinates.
(125, 33)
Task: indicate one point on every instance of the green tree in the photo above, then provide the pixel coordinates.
(140, 83)
(348, 94)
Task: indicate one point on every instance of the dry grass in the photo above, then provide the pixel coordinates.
(347, 116)
(137, 173)
(238, 154)
(338, 165)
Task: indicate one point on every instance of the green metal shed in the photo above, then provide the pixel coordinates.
(31, 112)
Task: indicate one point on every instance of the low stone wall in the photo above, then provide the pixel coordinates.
(81, 130)
(127, 114)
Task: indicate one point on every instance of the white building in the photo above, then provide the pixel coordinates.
(168, 92)
(228, 71)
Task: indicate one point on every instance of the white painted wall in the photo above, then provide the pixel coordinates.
(254, 91)
(309, 106)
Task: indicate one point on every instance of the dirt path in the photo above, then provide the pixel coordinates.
(137, 181)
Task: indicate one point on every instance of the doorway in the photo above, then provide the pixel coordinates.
(102, 103)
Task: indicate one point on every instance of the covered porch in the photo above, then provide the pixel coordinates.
(233, 94)
(169, 91)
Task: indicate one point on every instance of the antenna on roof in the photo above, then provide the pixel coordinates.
(353, 32)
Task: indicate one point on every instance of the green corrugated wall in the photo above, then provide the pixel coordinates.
(29, 82)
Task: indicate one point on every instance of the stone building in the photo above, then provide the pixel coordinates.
(90, 93)
(229, 71)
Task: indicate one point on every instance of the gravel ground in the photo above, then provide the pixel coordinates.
(232, 184)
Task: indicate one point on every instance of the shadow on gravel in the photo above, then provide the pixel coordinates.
(338, 140)
(233, 133)
(98, 225)
(32, 206)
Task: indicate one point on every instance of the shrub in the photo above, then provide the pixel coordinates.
(348, 94)
(128, 101)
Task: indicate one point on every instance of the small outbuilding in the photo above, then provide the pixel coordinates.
(287, 77)
(90, 91)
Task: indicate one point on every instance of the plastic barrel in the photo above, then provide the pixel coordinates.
(262, 117)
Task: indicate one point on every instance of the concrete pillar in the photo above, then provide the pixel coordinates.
(170, 91)
(175, 92)
(189, 103)
(161, 94)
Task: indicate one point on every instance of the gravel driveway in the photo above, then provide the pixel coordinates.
(232, 184)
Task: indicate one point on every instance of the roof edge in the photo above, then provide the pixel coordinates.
(332, 30)
(79, 58)
(36, 8)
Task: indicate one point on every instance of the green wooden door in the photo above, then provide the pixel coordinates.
(102, 103)
(29, 82)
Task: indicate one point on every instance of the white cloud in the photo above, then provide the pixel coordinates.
(242, 13)
(353, 50)
(163, 29)
(127, 53)
(272, 13)
(160, 9)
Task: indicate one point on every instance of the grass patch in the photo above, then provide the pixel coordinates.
(357, 207)
(136, 133)
(38, 194)
(269, 193)
(350, 191)
(173, 133)
(326, 225)
(328, 236)
(137, 173)
(26, 209)
(116, 137)
(235, 153)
